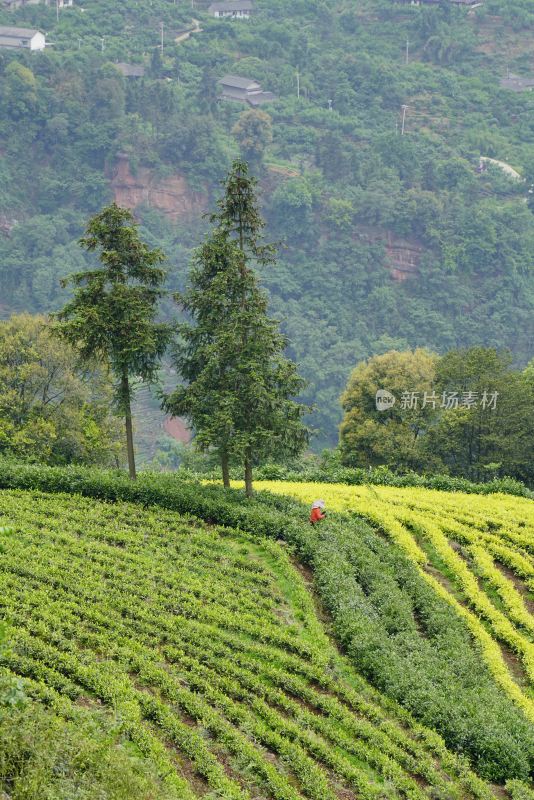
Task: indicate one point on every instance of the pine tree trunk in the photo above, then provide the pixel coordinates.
(129, 427)
(225, 466)
(248, 474)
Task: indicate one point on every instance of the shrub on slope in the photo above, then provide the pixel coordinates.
(406, 640)
(476, 553)
(45, 756)
(206, 644)
(383, 476)
(83, 757)
(402, 636)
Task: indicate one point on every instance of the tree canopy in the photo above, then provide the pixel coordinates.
(52, 410)
(467, 412)
(394, 233)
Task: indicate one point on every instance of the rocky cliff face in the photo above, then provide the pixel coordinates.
(402, 257)
(172, 195)
(175, 198)
(7, 224)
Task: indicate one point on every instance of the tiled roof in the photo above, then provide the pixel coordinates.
(21, 33)
(238, 82)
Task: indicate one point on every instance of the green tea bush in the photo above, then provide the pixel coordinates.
(85, 757)
(408, 643)
(383, 476)
(519, 790)
(399, 634)
(44, 756)
(206, 644)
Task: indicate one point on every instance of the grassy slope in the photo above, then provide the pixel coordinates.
(207, 647)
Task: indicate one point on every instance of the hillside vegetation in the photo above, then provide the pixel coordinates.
(205, 644)
(477, 553)
(408, 639)
(389, 240)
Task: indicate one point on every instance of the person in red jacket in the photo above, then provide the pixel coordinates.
(317, 511)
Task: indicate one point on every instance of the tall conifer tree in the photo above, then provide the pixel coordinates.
(112, 316)
(239, 386)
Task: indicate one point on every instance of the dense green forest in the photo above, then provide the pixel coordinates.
(390, 234)
(446, 422)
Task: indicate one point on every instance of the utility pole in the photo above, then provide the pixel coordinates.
(57, 10)
(298, 84)
(404, 108)
(407, 51)
(103, 42)
(161, 23)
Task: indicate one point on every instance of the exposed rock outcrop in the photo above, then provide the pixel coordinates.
(176, 428)
(402, 258)
(402, 255)
(7, 224)
(173, 196)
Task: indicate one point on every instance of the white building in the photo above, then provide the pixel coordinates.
(233, 9)
(19, 3)
(22, 38)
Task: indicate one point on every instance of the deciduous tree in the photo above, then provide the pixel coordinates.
(494, 432)
(51, 410)
(253, 132)
(369, 436)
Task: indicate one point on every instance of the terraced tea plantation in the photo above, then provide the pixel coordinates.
(475, 551)
(205, 647)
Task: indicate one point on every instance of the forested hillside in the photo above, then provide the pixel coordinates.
(391, 233)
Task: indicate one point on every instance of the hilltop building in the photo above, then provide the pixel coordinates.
(468, 3)
(232, 9)
(515, 83)
(19, 3)
(244, 90)
(21, 38)
(130, 70)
